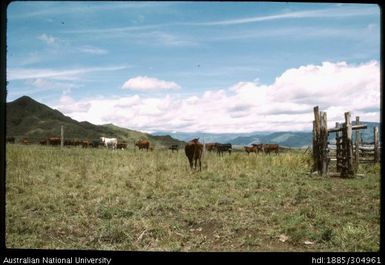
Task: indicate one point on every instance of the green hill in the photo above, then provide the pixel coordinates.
(27, 118)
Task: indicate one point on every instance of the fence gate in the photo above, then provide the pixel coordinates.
(346, 160)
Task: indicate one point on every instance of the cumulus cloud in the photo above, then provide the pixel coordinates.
(286, 104)
(47, 38)
(145, 83)
(68, 105)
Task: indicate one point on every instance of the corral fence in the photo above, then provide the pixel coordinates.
(346, 155)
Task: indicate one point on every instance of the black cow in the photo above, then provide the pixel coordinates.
(11, 140)
(174, 147)
(95, 143)
(223, 148)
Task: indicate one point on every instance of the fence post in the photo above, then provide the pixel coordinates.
(323, 144)
(316, 133)
(338, 148)
(357, 147)
(61, 136)
(348, 170)
(376, 153)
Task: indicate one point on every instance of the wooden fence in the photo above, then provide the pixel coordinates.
(346, 154)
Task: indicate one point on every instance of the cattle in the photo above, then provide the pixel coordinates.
(43, 142)
(271, 148)
(210, 146)
(142, 144)
(122, 145)
(259, 147)
(85, 143)
(173, 147)
(24, 141)
(223, 148)
(250, 149)
(68, 142)
(54, 141)
(193, 151)
(11, 140)
(95, 143)
(109, 142)
(77, 142)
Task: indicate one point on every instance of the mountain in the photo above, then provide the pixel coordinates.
(288, 139)
(367, 135)
(208, 137)
(27, 118)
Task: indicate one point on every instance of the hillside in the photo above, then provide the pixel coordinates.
(27, 118)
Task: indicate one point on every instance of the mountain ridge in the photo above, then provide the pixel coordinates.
(28, 118)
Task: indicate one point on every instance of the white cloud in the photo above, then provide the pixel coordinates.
(47, 38)
(65, 74)
(92, 50)
(144, 83)
(286, 104)
(316, 13)
(68, 105)
(44, 84)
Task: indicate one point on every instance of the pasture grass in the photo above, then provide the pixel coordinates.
(76, 198)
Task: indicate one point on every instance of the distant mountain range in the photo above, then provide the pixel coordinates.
(27, 118)
(208, 137)
(287, 139)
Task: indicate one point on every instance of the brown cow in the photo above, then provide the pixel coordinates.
(143, 144)
(193, 151)
(54, 140)
(210, 146)
(271, 148)
(250, 149)
(68, 142)
(85, 143)
(25, 141)
(259, 147)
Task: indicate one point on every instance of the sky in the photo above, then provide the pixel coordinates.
(216, 67)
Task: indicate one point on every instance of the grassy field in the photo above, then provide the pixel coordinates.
(124, 200)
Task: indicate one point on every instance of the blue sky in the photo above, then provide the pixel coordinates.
(196, 66)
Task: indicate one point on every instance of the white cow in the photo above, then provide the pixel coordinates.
(113, 142)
